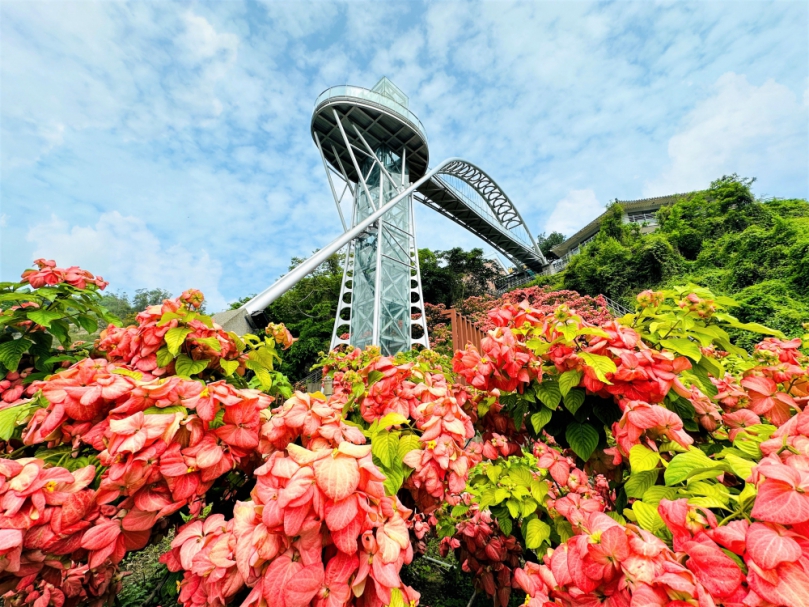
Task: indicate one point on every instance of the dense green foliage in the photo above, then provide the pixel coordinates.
(722, 238)
(448, 277)
(308, 310)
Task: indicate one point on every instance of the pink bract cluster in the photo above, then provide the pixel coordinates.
(48, 275)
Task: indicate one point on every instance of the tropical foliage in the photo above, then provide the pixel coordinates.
(646, 460)
(723, 238)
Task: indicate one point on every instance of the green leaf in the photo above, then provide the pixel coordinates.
(712, 366)
(385, 446)
(539, 489)
(392, 419)
(229, 366)
(513, 508)
(187, 366)
(528, 506)
(11, 352)
(540, 418)
(493, 472)
(520, 475)
(408, 443)
(654, 494)
(21, 296)
(168, 317)
(548, 392)
(500, 495)
(165, 410)
(394, 478)
(211, 342)
(8, 421)
(88, 323)
(374, 376)
(648, 518)
(582, 438)
(505, 525)
(61, 330)
(569, 380)
(459, 510)
(175, 338)
(642, 458)
(684, 464)
(164, 357)
(519, 412)
(600, 364)
(684, 346)
(741, 467)
(396, 599)
(639, 482)
(136, 375)
(45, 317)
(573, 400)
(536, 532)
(218, 420)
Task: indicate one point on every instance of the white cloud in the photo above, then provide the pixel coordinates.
(203, 40)
(129, 255)
(573, 212)
(756, 131)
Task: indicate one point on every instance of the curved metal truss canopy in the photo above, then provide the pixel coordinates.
(472, 199)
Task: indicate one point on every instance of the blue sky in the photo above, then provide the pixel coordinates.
(167, 144)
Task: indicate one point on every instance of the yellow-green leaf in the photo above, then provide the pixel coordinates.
(229, 366)
(392, 419)
(408, 443)
(684, 346)
(648, 518)
(600, 364)
(187, 366)
(536, 532)
(175, 338)
(569, 380)
(642, 458)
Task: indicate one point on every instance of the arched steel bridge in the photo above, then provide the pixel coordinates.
(472, 199)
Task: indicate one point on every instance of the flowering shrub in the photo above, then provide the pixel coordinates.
(476, 309)
(640, 461)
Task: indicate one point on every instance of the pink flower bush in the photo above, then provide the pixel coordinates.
(576, 458)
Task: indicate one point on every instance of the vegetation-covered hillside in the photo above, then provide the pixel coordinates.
(723, 238)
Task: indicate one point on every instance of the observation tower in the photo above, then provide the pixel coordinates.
(372, 147)
(374, 150)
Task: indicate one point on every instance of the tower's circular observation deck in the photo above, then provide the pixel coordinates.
(381, 121)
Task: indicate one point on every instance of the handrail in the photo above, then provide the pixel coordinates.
(358, 92)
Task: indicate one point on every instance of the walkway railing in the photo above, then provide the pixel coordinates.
(314, 382)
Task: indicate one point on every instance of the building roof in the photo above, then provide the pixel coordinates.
(644, 204)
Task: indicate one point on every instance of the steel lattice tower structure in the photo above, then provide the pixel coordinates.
(372, 146)
(375, 153)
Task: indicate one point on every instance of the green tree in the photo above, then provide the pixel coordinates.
(308, 310)
(546, 243)
(120, 304)
(448, 277)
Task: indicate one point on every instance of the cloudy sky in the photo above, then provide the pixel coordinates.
(167, 144)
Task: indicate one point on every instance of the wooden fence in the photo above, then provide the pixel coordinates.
(464, 331)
